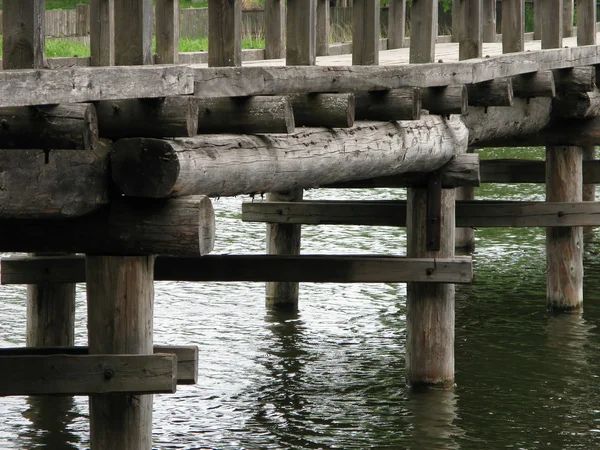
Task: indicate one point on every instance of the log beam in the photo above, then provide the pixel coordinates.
(536, 84)
(278, 163)
(491, 93)
(581, 106)
(577, 79)
(445, 100)
(395, 104)
(323, 110)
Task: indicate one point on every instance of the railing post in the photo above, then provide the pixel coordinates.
(365, 32)
(568, 9)
(396, 24)
(224, 33)
(102, 32)
(274, 29)
(167, 31)
(489, 20)
(322, 27)
(513, 26)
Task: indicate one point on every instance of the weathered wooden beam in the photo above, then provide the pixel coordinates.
(529, 171)
(102, 32)
(471, 32)
(580, 106)
(552, 23)
(307, 268)
(133, 32)
(301, 35)
(156, 117)
(26, 270)
(67, 126)
(323, 110)
(260, 114)
(461, 170)
(577, 79)
(274, 29)
(222, 165)
(84, 84)
(536, 84)
(586, 22)
(88, 374)
(53, 184)
(23, 31)
(126, 227)
(167, 31)
(491, 93)
(395, 104)
(396, 23)
(323, 28)
(469, 213)
(487, 126)
(424, 28)
(445, 100)
(365, 32)
(244, 81)
(224, 33)
(513, 26)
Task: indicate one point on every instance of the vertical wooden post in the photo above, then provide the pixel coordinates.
(102, 32)
(537, 19)
(322, 27)
(167, 31)
(365, 32)
(589, 190)
(568, 9)
(23, 31)
(82, 26)
(586, 22)
(455, 20)
(120, 303)
(133, 32)
(396, 24)
(513, 26)
(274, 29)
(423, 33)
(552, 24)
(470, 46)
(489, 20)
(429, 306)
(224, 33)
(301, 36)
(564, 245)
(120, 289)
(283, 239)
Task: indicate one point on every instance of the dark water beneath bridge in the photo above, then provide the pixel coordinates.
(333, 376)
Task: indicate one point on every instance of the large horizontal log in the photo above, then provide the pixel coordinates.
(88, 374)
(53, 184)
(67, 126)
(395, 104)
(529, 171)
(495, 123)
(125, 227)
(576, 79)
(307, 268)
(537, 84)
(226, 165)
(479, 213)
(461, 170)
(85, 84)
(187, 355)
(155, 117)
(244, 81)
(323, 110)
(491, 93)
(261, 114)
(581, 106)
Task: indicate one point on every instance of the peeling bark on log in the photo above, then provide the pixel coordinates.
(491, 93)
(181, 227)
(57, 184)
(395, 104)
(582, 106)
(261, 114)
(488, 125)
(226, 165)
(68, 126)
(160, 117)
(536, 84)
(323, 110)
(445, 100)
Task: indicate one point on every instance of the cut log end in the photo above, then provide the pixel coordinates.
(145, 167)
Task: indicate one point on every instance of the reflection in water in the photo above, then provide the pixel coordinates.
(51, 418)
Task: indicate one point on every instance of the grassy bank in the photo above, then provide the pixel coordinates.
(56, 48)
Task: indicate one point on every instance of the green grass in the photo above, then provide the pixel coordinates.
(199, 45)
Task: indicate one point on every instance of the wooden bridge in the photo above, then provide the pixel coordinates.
(118, 162)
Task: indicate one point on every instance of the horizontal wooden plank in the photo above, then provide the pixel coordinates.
(529, 171)
(83, 84)
(88, 374)
(478, 213)
(187, 355)
(307, 268)
(243, 81)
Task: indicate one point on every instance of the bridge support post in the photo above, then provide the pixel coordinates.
(430, 306)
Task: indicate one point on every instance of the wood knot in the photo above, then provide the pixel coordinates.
(429, 271)
(561, 214)
(108, 374)
(115, 107)
(4, 123)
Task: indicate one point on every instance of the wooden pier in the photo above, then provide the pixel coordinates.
(115, 158)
